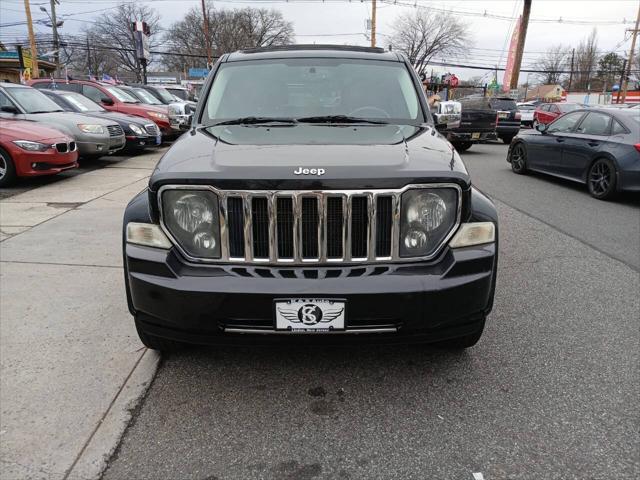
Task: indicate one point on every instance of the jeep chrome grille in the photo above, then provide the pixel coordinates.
(305, 226)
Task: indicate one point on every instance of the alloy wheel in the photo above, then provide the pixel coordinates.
(3, 166)
(600, 179)
(518, 156)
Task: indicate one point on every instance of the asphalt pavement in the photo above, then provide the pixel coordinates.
(550, 392)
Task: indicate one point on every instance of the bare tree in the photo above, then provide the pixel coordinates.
(421, 35)
(229, 30)
(112, 44)
(586, 60)
(552, 63)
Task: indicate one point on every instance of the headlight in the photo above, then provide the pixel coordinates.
(191, 216)
(32, 146)
(174, 109)
(91, 128)
(428, 215)
(158, 115)
(136, 129)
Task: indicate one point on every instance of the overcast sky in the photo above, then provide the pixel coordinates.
(341, 21)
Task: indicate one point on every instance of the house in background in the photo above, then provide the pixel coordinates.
(546, 93)
(10, 66)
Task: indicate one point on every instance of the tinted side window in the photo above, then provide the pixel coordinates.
(93, 93)
(554, 109)
(5, 101)
(566, 123)
(42, 85)
(617, 129)
(595, 123)
(69, 87)
(545, 108)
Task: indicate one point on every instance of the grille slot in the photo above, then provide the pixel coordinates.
(260, 216)
(310, 221)
(152, 129)
(284, 224)
(302, 227)
(115, 130)
(236, 230)
(334, 227)
(359, 227)
(62, 147)
(384, 220)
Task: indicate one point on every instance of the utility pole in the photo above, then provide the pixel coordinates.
(573, 55)
(205, 20)
(517, 61)
(622, 72)
(624, 85)
(35, 71)
(56, 41)
(373, 22)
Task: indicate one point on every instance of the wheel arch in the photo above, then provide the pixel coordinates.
(600, 156)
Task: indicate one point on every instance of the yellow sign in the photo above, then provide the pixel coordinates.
(26, 58)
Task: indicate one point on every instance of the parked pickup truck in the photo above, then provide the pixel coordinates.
(478, 123)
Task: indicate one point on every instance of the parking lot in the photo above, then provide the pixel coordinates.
(551, 390)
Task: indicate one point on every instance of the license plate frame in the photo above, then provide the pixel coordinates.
(475, 136)
(310, 314)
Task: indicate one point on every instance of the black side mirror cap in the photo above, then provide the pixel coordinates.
(9, 109)
(106, 101)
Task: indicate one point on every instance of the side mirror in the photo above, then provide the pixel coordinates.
(448, 115)
(106, 101)
(186, 125)
(542, 127)
(9, 109)
(189, 109)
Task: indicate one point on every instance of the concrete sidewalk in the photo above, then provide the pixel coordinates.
(72, 366)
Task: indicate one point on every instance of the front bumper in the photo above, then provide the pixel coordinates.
(99, 144)
(33, 164)
(395, 303)
(138, 142)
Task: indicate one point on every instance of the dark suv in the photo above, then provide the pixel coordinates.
(509, 117)
(313, 199)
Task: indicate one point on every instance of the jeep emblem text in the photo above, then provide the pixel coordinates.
(309, 171)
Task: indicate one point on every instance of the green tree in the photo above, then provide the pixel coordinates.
(610, 68)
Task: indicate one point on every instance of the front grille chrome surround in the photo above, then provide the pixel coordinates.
(237, 206)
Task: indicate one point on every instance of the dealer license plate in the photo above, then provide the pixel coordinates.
(158, 139)
(475, 136)
(310, 314)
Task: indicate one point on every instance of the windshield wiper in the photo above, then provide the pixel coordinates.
(46, 111)
(339, 119)
(254, 121)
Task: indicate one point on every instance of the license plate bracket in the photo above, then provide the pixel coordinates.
(313, 315)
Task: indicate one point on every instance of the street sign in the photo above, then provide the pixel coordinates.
(198, 72)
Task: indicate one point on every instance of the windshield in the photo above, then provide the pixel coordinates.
(146, 97)
(122, 95)
(312, 87)
(164, 95)
(33, 101)
(82, 103)
(568, 107)
(178, 92)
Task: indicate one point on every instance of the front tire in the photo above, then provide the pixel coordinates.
(518, 158)
(163, 345)
(601, 179)
(7, 169)
(462, 146)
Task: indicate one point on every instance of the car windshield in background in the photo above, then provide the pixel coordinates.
(122, 95)
(526, 107)
(165, 95)
(312, 87)
(178, 92)
(33, 101)
(82, 103)
(475, 103)
(569, 107)
(503, 104)
(146, 97)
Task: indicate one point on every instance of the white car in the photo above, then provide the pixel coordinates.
(526, 113)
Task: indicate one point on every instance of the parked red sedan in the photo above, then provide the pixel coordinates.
(29, 149)
(111, 98)
(548, 112)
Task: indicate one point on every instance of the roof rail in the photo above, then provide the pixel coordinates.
(348, 48)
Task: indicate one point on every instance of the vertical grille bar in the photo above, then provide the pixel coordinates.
(371, 230)
(285, 227)
(273, 251)
(310, 230)
(297, 228)
(348, 206)
(335, 227)
(395, 225)
(384, 222)
(248, 229)
(322, 227)
(359, 227)
(235, 227)
(260, 217)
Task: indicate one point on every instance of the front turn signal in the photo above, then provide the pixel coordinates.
(147, 234)
(470, 234)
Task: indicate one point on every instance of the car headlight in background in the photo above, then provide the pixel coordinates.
(91, 128)
(32, 146)
(158, 116)
(191, 216)
(136, 129)
(428, 215)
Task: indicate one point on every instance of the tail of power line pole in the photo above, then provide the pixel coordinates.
(35, 69)
(625, 81)
(373, 22)
(524, 24)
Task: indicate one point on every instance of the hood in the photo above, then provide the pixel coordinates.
(119, 117)
(351, 156)
(67, 119)
(35, 132)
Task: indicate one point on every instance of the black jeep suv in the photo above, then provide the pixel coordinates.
(313, 199)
